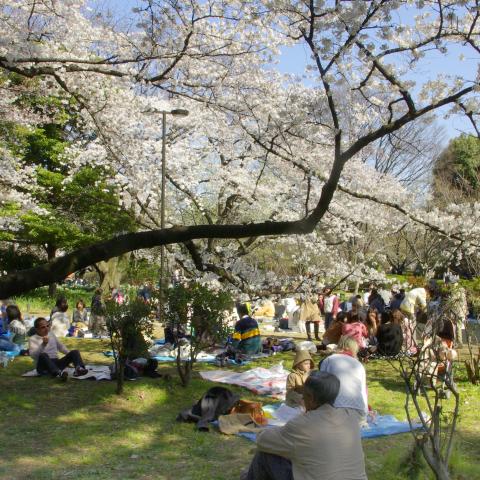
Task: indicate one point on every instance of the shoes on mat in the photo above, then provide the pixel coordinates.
(80, 371)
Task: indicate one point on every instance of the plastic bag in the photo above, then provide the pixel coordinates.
(306, 345)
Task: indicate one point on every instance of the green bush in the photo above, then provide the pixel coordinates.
(199, 312)
(128, 325)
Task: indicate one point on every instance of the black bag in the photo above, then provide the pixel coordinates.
(283, 323)
(216, 401)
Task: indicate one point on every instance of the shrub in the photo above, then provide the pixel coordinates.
(199, 312)
(128, 325)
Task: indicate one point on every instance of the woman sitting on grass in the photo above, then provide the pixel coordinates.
(17, 327)
(356, 329)
(334, 332)
(389, 334)
(80, 318)
(302, 365)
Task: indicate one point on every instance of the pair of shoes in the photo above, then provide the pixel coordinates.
(63, 376)
(80, 371)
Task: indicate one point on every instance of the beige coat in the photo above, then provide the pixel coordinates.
(309, 311)
(296, 380)
(323, 444)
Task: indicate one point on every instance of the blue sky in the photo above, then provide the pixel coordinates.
(294, 59)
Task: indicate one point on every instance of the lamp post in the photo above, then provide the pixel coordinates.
(179, 112)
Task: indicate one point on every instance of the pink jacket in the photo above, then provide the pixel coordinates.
(358, 331)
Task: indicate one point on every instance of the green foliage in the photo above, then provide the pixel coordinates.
(472, 288)
(200, 311)
(80, 211)
(459, 165)
(39, 302)
(140, 270)
(128, 324)
(11, 260)
(79, 208)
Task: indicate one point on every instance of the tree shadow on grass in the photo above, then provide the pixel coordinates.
(83, 430)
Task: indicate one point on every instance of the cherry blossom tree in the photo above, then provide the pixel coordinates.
(261, 154)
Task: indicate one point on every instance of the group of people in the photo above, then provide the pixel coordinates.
(41, 340)
(322, 442)
(334, 398)
(386, 322)
(42, 343)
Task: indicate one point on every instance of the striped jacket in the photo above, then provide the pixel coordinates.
(246, 338)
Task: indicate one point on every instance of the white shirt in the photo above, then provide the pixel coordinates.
(353, 381)
(414, 299)
(60, 323)
(36, 346)
(328, 303)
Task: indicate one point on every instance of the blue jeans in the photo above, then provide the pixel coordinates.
(328, 319)
(8, 346)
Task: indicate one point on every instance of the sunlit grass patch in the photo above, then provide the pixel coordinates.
(82, 430)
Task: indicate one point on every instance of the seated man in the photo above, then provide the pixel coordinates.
(321, 444)
(44, 347)
(246, 338)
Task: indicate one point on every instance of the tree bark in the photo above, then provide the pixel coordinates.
(110, 273)
(120, 373)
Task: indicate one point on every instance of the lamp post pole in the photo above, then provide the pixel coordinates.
(180, 113)
(162, 211)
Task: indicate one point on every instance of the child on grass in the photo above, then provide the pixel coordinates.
(302, 365)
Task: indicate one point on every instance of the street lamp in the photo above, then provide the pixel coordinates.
(178, 112)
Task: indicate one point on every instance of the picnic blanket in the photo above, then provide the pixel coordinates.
(95, 372)
(381, 425)
(202, 357)
(262, 381)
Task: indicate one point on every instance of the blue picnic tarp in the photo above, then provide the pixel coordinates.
(383, 425)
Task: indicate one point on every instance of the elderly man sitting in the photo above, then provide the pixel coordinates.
(322, 444)
(44, 347)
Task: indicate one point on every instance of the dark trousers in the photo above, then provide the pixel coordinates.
(266, 466)
(54, 366)
(328, 320)
(315, 328)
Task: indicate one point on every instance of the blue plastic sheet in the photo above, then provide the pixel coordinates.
(384, 425)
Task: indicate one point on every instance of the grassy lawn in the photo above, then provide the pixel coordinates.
(82, 430)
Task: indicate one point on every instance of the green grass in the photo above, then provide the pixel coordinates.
(38, 302)
(82, 430)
